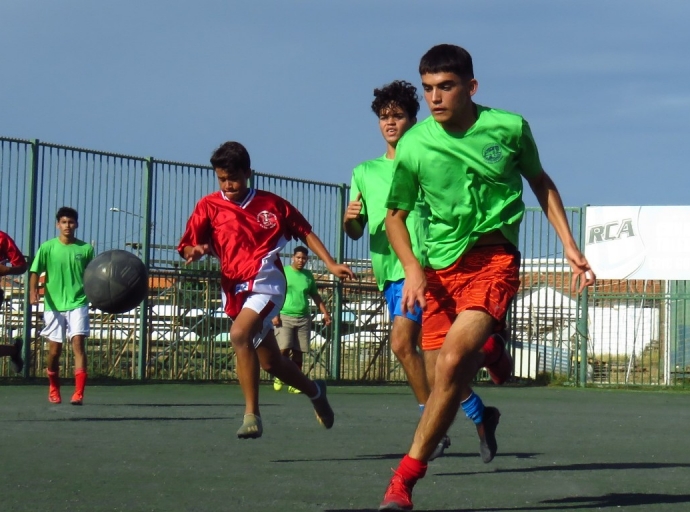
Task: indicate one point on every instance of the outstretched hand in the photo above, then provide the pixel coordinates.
(582, 272)
(342, 271)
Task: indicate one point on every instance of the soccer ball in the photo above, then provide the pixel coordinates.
(116, 281)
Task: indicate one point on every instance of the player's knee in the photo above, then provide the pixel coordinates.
(239, 338)
(402, 347)
(271, 364)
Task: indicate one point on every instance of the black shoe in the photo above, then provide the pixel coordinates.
(16, 361)
(487, 434)
(322, 408)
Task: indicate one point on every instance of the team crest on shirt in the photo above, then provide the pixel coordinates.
(492, 153)
(267, 219)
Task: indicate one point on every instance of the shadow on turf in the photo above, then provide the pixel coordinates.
(613, 500)
(594, 466)
(131, 418)
(396, 456)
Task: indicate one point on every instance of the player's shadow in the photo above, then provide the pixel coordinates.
(612, 500)
(181, 405)
(399, 455)
(592, 466)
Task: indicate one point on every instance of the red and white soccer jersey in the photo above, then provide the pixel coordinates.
(9, 252)
(247, 238)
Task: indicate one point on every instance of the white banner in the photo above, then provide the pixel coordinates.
(638, 242)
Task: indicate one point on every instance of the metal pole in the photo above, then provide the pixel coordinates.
(30, 248)
(146, 227)
(582, 328)
(338, 298)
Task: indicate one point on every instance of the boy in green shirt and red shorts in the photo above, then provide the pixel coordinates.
(468, 161)
(64, 259)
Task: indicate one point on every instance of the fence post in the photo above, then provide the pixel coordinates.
(146, 227)
(338, 298)
(30, 248)
(582, 328)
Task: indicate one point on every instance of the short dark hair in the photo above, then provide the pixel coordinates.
(232, 157)
(68, 212)
(302, 249)
(396, 94)
(447, 58)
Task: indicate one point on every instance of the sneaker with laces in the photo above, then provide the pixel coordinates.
(77, 399)
(251, 427)
(16, 361)
(322, 409)
(294, 391)
(277, 384)
(399, 494)
(54, 395)
(440, 448)
(487, 434)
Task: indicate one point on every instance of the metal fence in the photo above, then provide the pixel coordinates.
(627, 333)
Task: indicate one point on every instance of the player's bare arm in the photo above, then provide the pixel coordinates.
(414, 288)
(550, 201)
(322, 307)
(352, 223)
(33, 288)
(6, 270)
(337, 269)
(193, 253)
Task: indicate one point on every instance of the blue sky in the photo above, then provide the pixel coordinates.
(604, 85)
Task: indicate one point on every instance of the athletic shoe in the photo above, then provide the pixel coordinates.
(487, 434)
(251, 427)
(294, 391)
(54, 395)
(399, 494)
(440, 448)
(277, 384)
(500, 366)
(16, 361)
(324, 413)
(77, 399)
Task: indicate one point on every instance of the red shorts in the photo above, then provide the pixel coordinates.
(485, 279)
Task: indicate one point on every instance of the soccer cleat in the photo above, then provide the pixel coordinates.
(277, 384)
(294, 391)
(487, 434)
(251, 427)
(399, 494)
(54, 395)
(324, 413)
(77, 399)
(16, 361)
(440, 448)
(501, 366)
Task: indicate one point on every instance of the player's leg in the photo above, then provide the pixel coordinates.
(497, 360)
(55, 331)
(300, 345)
(77, 331)
(244, 328)
(284, 337)
(404, 337)
(14, 352)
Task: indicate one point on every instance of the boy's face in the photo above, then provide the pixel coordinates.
(66, 226)
(233, 184)
(448, 96)
(299, 260)
(394, 122)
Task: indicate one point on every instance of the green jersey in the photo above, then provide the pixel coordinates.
(471, 181)
(64, 266)
(300, 286)
(373, 179)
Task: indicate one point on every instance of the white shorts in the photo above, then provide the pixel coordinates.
(61, 324)
(267, 307)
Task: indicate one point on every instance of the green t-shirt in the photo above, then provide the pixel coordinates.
(471, 181)
(64, 266)
(300, 286)
(373, 179)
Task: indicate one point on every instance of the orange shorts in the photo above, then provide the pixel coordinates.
(486, 278)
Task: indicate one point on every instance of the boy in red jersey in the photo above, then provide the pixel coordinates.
(10, 253)
(246, 229)
(468, 161)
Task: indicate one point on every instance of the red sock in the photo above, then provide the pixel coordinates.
(411, 469)
(493, 350)
(79, 380)
(54, 378)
